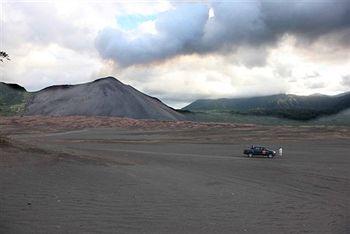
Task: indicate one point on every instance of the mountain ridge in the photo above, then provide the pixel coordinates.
(102, 97)
(110, 97)
(289, 106)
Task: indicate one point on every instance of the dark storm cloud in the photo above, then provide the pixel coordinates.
(179, 32)
(188, 29)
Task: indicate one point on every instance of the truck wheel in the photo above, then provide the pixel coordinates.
(250, 155)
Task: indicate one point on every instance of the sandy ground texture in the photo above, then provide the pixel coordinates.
(115, 175)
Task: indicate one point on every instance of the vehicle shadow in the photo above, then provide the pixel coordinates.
(260, 157)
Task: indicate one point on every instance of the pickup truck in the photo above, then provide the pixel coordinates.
(259, 150)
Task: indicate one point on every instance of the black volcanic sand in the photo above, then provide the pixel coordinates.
(112, 180)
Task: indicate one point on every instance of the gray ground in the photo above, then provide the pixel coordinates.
(113, 180)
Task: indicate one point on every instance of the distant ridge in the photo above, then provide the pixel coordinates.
(280, 105)
(57, 87)
(102, 97)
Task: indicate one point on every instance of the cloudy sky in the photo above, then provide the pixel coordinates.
(180, 51)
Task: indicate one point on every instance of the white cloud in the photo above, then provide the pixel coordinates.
(53, 42)
(346, 81)
(53, 64)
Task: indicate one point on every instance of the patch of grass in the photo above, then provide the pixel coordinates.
(184, 111)
(293, 114)
(237, 117)
(342, 119)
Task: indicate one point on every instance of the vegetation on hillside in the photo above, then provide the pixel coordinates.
(294, 114)
(12, 99)
(293, 107)
(342, 118)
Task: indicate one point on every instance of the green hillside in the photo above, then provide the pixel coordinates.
(282, 105)
(12, 99)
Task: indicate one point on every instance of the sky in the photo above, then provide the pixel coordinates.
(180, 51)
